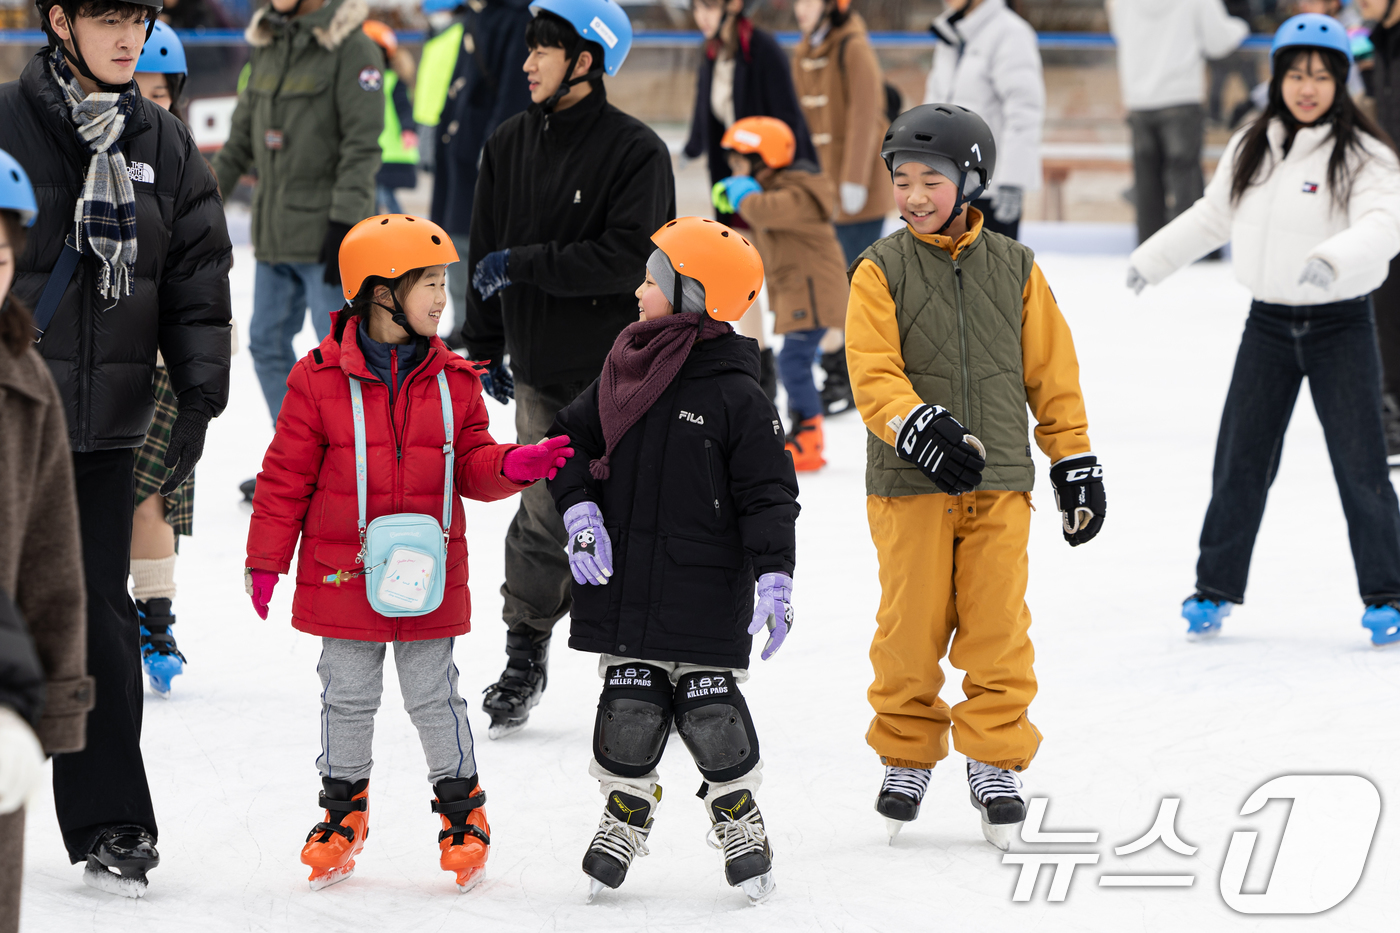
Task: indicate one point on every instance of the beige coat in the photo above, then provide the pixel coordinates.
(842, 93)
(803, 264)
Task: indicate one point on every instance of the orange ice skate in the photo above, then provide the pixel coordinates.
(331, 846)
(465, 839)
(806, 443)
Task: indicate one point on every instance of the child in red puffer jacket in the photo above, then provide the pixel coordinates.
(393, 270)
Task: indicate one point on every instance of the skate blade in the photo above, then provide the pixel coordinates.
(163, 694)
(325, 877)
(1001, 835)
(758, 888)
(469, 878)
(893, 827)
(595, 887)
(505, 729)
(112, 883)
(1203, 634)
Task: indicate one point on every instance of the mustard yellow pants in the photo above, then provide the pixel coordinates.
(952, 570)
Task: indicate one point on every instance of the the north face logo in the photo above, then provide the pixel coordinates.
(692, 417)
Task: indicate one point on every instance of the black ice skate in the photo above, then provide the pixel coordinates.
(997, 796)
(509, 700)
(836, 391)
(621, 836)
(738, 833)
(119, 860)
(900, 797)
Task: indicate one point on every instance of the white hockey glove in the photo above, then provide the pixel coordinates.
(21, 761)
(853, 197)
(1135, 281)
(1006, 204)
(1318, 273)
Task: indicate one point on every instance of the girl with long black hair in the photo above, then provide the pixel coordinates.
(1309, 197)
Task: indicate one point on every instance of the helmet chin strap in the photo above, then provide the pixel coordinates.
(567, 84)
(961, 201)
(397, 315)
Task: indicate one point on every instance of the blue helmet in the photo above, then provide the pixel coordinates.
(163, 54)
(16, 193)
(1312, 30)
(440, 6)
(600, 21)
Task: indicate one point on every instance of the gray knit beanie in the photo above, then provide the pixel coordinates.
(692, 292)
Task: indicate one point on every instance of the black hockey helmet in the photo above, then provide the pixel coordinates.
(957, 141)
(76, 59)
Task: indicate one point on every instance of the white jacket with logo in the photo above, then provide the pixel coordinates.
(989, 62)
(1287, 218)
(1163, 44)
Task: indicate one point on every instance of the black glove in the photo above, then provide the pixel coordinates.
(498, 383)
(1078, 483)
(330, 251)
(932, 438)
(186, 447)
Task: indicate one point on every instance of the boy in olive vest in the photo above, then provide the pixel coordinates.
(951, 332)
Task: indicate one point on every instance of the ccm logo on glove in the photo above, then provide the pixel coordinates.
(1079, 495)
(932, 439)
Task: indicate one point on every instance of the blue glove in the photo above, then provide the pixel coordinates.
(730, 192)
(774, 610)
(497, 382)
(590, 548)
(490, 275)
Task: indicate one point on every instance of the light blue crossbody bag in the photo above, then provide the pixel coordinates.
(404, 556)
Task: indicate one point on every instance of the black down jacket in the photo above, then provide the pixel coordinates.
(104, 361)
(575, 196)
(702, 501)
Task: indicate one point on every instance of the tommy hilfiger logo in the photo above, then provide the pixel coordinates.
(1310, 187)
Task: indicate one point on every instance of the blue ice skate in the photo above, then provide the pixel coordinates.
(159, 655)
(1203, 616)
(1384, 623)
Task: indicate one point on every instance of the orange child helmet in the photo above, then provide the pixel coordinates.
(388, 246)
(382, 35)
(770, 137)
(720, 259)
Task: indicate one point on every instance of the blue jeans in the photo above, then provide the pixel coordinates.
(386, 201)
(800, 351)
(1334, 346)
(854, 238)
(282, 294)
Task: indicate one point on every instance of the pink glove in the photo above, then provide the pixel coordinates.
(537, 461)
(258, 584)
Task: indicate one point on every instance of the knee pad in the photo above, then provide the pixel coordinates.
(715, 725)
(634, 719)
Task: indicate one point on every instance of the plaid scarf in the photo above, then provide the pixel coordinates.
(105, 215)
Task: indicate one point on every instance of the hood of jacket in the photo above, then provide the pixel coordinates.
(731, 352)
(810, 179)
(330, 24)
(956, 27)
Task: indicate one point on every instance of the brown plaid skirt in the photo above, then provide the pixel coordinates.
(151, 471)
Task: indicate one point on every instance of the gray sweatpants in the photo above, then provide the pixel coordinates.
(352, 681)
(645, 786)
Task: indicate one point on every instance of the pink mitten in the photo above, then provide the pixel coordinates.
(537, 461)
(258, 584)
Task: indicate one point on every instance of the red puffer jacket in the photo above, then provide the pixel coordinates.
(307, 484)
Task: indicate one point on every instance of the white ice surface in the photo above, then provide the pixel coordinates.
(1131, 711)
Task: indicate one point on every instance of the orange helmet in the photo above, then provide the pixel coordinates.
(720, 259)
(388, 246)
(843, 5)
(770, 137)
(382, 35)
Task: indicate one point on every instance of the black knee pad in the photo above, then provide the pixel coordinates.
(715, 725)
(634, 719)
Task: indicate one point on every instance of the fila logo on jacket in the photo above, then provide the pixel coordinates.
(691, 417)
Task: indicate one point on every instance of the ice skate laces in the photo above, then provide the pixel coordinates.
(620, 840)
(988, 783)
(911, 782)
(738, 837)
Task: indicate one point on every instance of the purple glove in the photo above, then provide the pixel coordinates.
(536, 461)
(590, 549)
(774, 610)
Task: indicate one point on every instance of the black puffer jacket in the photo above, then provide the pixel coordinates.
(575, 196)
(104, 360)
(701, 502)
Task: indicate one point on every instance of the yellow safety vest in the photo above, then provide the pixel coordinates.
(435, 70)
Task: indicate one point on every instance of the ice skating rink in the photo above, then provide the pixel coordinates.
(1131, 711)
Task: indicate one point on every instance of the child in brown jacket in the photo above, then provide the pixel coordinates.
(790, 206)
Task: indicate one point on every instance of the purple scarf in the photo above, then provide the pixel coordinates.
(643, 361)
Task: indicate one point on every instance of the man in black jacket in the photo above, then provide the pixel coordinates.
(152, 260)
(569, 194)
(1385, 86)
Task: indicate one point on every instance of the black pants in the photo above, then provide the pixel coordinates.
(989, 222)
(1387, 301)
(104, 785)
(1167, 176)
(1334, 346)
